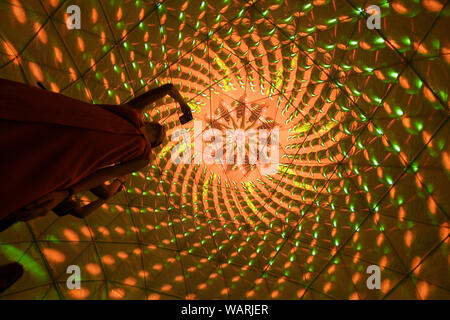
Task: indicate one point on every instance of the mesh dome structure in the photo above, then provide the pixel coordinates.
(364, 168)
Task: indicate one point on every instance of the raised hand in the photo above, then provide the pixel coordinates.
(187, 114)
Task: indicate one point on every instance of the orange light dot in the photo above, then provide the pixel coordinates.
(167, 287)
(122, 255)
(79, 294)
(71, 235)
(108, 260)
(130, 281)
(18, 11)
(154, 296)
(158, 267)
(423, 289)
(117, 293)
(93, 269)
(54, 255)
(36, 71)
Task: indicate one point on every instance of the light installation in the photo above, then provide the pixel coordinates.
(364, 168)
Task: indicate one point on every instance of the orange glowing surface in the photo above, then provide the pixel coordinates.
(364, 158)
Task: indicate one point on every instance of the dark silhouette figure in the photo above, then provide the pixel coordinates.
(54, 147)
(66, 146)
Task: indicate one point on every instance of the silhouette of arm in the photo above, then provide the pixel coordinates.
(106, 191)
(155, 94)
(73, 207)
(83, 211)
(108, 173)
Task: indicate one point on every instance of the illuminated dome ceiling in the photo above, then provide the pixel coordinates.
(363, 128)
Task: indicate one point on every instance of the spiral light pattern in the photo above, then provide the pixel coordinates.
(364, 167)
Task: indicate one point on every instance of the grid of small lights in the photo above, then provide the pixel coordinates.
(365, 162)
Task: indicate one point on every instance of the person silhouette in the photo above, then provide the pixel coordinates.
(54, 147)
(64, 146)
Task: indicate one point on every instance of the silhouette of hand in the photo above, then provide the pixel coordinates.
(187, 113)
(119, 184)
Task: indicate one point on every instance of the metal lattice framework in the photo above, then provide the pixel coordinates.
(364, 154)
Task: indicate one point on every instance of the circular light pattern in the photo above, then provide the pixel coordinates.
(363, 176)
